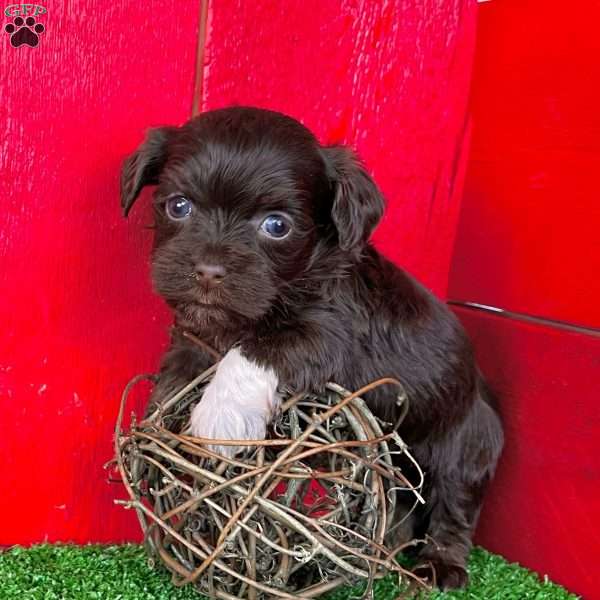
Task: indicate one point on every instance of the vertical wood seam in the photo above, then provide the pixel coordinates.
(200, 52)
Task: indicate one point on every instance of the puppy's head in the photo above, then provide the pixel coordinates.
(246, 198)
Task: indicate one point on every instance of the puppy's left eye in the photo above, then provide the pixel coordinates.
(276, 226)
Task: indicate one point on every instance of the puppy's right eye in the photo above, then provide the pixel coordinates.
(178, 208)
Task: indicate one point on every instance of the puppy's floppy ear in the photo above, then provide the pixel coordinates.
(358, 204)
(143, 167)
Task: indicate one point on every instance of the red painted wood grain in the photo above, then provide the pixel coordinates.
(77, 312)
(543, 508)
(78, 315)
(527, 242)
(389, 78)
(528, 235)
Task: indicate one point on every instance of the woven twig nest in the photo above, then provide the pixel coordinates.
(293, 516)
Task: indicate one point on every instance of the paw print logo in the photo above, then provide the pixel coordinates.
(24, 31)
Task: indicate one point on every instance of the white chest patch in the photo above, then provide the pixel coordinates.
(237, 404)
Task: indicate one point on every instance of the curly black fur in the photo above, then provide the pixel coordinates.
(319, 305)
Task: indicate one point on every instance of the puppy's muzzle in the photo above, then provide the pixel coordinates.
(209, 275)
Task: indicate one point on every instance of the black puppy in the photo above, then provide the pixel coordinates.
(261, 249)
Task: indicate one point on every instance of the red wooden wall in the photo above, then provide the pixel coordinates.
(528, 243)
(78, 314)
(532, 207)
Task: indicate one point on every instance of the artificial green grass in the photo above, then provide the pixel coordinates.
(64, 572)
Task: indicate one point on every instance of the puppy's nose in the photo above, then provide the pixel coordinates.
(211, 274)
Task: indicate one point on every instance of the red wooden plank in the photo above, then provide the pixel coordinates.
(78, 317)
(388, 77)
(528, 234)
(543, 508)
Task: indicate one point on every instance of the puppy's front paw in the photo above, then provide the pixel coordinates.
(237, 404)
(225, 421)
